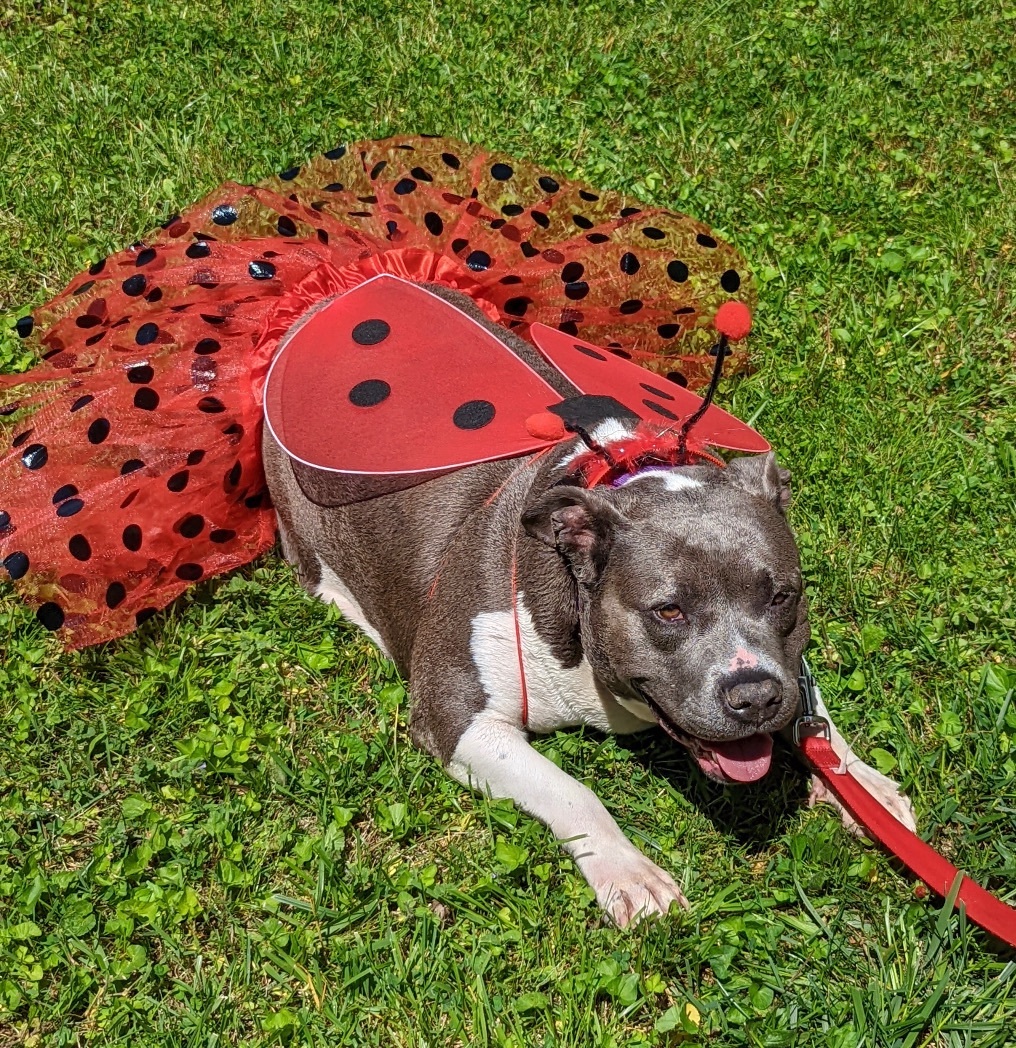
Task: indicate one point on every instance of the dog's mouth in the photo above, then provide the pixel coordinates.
(733, 760)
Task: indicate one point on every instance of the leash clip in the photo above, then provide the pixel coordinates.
(809, 723)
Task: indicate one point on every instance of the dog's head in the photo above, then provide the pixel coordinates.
(691, 601)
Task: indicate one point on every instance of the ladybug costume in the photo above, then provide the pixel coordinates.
(130, 460)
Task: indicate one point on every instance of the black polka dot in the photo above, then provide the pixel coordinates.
(652, 233)
(211, 405)
(633, 305)
(334, 187)
(336, 154)
(5, 520)
(597, 238)
(684, 310)
(79, 547)
(590, 352)
(50, 615)
(195, 457)
(678, 378)
(154, 295)
(286, 226)
(629, 264)
(232, 478)
(478, 261)
(198, 250)
(510, 279)
(97, 267)
(377, 169)
(730, 281)
(189, 572)
(668, 330)
(35, 456)
(140, 374)
(255, 500)
(87, 320)
(582, 222)
(433, 222)
(474, 414)
(65, 492)
(130, 498)
(569, 327)
(206, 346)
(577, 290)
(224, 215)
(458, 244)
(135, 285)
(192, 525)
(512, 210)
(21, 438)
(131, 466)
(451, 160)
(727, 351)
(502, 172)
(82, 402)
(528, 250)
(289, 174)
(24, 325)
(548, 184)
(705, 241)
(542, 220)
(587, 195)
(516, 307)
(371, 332)
(261, 270)
(656, 391)
(144, 615)
(677, 271)
(370, 392)
(146, 399)
(144, 257)
(116, 594)
(70, 507)
(393, 227)
(405, 186)
(214, 319)
(132, 537)
(17, 564)
(178, 481)
(572, 272)
(86, 286)
(220, 535)
(659, 409)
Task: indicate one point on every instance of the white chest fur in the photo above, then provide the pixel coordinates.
(559, 697)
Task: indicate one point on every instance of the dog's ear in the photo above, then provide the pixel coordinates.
(579, 524)
(762, 476)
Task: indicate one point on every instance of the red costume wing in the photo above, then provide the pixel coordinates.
(653, 398)
(389, 378)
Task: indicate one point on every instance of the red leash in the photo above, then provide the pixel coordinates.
(921, 859)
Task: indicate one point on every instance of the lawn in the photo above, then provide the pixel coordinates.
(216, 831)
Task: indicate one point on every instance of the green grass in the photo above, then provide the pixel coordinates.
(216, 831)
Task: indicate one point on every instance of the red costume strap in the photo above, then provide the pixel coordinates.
(935, 870)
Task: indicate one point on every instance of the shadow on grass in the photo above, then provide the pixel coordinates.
(755, 815)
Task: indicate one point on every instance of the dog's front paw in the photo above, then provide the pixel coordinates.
(881, 787)
(630, 888)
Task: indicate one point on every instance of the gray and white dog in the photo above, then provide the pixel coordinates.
(674, 599)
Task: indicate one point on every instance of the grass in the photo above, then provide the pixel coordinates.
(216, 832)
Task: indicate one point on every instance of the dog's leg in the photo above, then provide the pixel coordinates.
(495, 757)
(881, 786)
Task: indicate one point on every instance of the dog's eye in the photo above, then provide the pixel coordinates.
(668, 613)
(778, 599)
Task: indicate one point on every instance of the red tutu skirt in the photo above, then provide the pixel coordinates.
(130, 462)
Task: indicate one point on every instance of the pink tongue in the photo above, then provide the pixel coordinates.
(745, 760)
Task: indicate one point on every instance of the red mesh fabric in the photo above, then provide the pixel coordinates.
(130, 457)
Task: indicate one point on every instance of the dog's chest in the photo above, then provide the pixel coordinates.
(557, 696)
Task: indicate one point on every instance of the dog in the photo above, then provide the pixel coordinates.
(674, 599)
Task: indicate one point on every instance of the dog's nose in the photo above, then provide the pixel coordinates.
(754, 700)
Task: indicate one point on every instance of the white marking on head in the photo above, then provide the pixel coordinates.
(742, 659)
(672, 478)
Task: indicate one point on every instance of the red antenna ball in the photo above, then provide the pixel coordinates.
(733, 319)
(545, 425)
